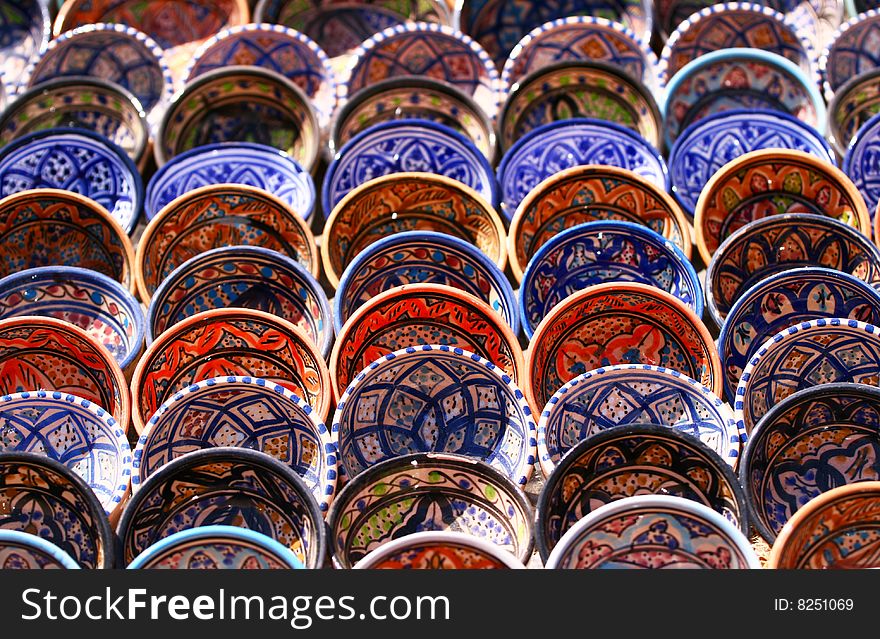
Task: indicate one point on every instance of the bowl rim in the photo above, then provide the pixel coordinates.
(450, 537)
(45, 16)
(858, 20)
(427, 178)
(553, 483)
(436, 240)
(246, 456)
(34, 542)
(868, 131)
(691, 508)
(634, 231)
(382, 468)
(846, 89)
(262, 5)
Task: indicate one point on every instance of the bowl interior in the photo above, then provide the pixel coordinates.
(24, 551)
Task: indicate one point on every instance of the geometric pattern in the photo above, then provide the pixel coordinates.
(25, 29)
(854, 51)
(24, 551)
(862, 163)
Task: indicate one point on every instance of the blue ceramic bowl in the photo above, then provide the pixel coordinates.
(599, 252)
(786, 299)
(24, 551)
(435, 399)
(613, 396)
(25, 32)
(243, 277)
(423, 257)
(708, 144)
(244, 412)
(557, 146)
(851, 52)
(216, 548)
(862, 163)
(75, 160)
(407, 146)
(255, 165)
(99, 305)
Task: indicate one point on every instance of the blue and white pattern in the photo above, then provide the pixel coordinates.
(24, 551)
(25, 31)
(862, 162)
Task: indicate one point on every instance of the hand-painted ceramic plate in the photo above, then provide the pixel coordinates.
(854, 104)
(860, 164)
(24, 551)
(439, 550)
(26, 28)
(852, 51)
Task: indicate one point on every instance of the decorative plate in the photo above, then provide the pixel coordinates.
(439, 550)
(853, 104)
(24, 551)
(26, 28)
(860, 164)
(851, 52)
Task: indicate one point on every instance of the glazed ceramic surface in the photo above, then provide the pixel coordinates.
(654, 532)
(423, 257)
(405, 146)
(586, 194)
(26, 28)
(554, 147)
(781, 242)
(414, 315)
(435, 399)
(75, 160)
(45, 498)
(852, 106)
(783, 300)
(24, 551)
(243, 412)
(237, 342)
(428, 50)
(815, 440)
(861, 162)
(426, 491)
(618, 323)
(409, 202)
(215, 216)
(106, 311)
(579, 90)
(820, 351)
(227, 487)
(614, 396)
(635, 460)
(707, 145)
(853, 51)
(217, 548)
(599, 252)
(439, 550)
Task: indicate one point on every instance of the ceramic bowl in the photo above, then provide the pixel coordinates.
(586, 194)
(812, 441)
(618, 323)
(635, 460)
(244, 412)
(853, 104)
(820, 351)
(111, 52)
(708, 144)
(231, 341)
(226, 487)
(599, 252)
(428, 491)
(579, 90)
(240, 104)
(429, 50)
(736, 24)
(554, 147)
(785, 299)
(739, 78)
(45, 498)
(414, 97)
(409, 202)
(26, 31)
(74, 431)
(51, 227)
(24, 551)
(84, 103)
(256, 165)
(781, 242)
(851, 52)
(215, 216)
(860, 164)
(499, 26)
(835, 530)
(653, 532)
(217, 548)
(423, 257)
(439, 550)
(770, 182)
(340, 28)
(99, 305)
(286, 51)
(75, 160)
(611, 397)
(403, 146)
(243, 277)
(586, 37)
(418, 314)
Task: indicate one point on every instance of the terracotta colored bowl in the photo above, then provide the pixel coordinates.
(408, 202)
(439, 550)
(229, 342)
(585, 194)
(220, 215)
(770, 182)
(618, 323)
